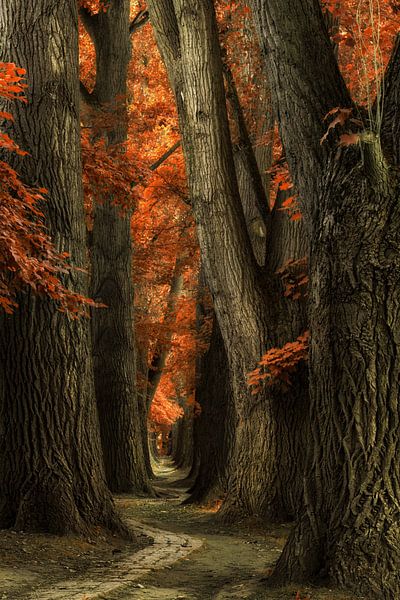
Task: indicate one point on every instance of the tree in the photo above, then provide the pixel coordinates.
(214, 426)
(51, 472)
(114, 349)
(348, 531)
(245, 296)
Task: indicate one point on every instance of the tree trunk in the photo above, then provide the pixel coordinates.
(215, 424)
(244, 295)
(183, 450)
(163, 345)
(51, 472)
(348, 531)
(111, 283)
(142, 371)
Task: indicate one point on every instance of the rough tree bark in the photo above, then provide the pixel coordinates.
(51, 472)
(349, 531)
(244, 294)
(214, 427)
(114, 349)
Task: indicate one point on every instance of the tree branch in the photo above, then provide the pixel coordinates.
(162, 348)
(139, 21)
(164, 157)
(160, 161)
(245, 144)
(165, 25)
(87, 20)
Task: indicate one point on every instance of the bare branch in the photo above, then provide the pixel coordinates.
(166, 155)
(160, 160)
(139, 21)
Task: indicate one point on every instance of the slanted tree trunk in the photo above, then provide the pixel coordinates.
(244, 294)
(51, 471)
(111, 281)
(142, 371)
(163, 344)
(349, 529)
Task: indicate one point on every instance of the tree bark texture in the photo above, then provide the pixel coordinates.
(349, 530)
(51, 471)
(111, 282)
(244, 294)
(214, 427)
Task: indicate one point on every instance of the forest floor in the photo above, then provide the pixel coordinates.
(191, 558)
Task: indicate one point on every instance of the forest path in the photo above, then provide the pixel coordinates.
(231, 562)
(228, 561)
(192, 557)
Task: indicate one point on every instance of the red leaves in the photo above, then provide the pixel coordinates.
(364, 33)
(12, 84)
(342, 116)
(276, 365)
(349, 139)
(27, 256)
(95, 6)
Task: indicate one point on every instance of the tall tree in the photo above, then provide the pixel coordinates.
(114, 350)
(245, 295)
(51, 472)
(349, 530)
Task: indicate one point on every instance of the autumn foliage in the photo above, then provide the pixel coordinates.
(277, 365)
(27, 255)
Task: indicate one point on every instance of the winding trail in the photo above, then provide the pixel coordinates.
(192, 558)
(226, 560)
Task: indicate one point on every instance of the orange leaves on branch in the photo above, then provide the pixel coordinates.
(282, 183)
(349, 139)
(164, 409)
(277, 365)
(27, 255)
(12, 84)
(342, 117)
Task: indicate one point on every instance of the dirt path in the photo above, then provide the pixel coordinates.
(230, 563)
(191, 557)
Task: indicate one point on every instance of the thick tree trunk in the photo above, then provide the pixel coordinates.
(51, 472)
(114, 353)
(349, 529)
(111, 283)
(215, 425)
(244, 295)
